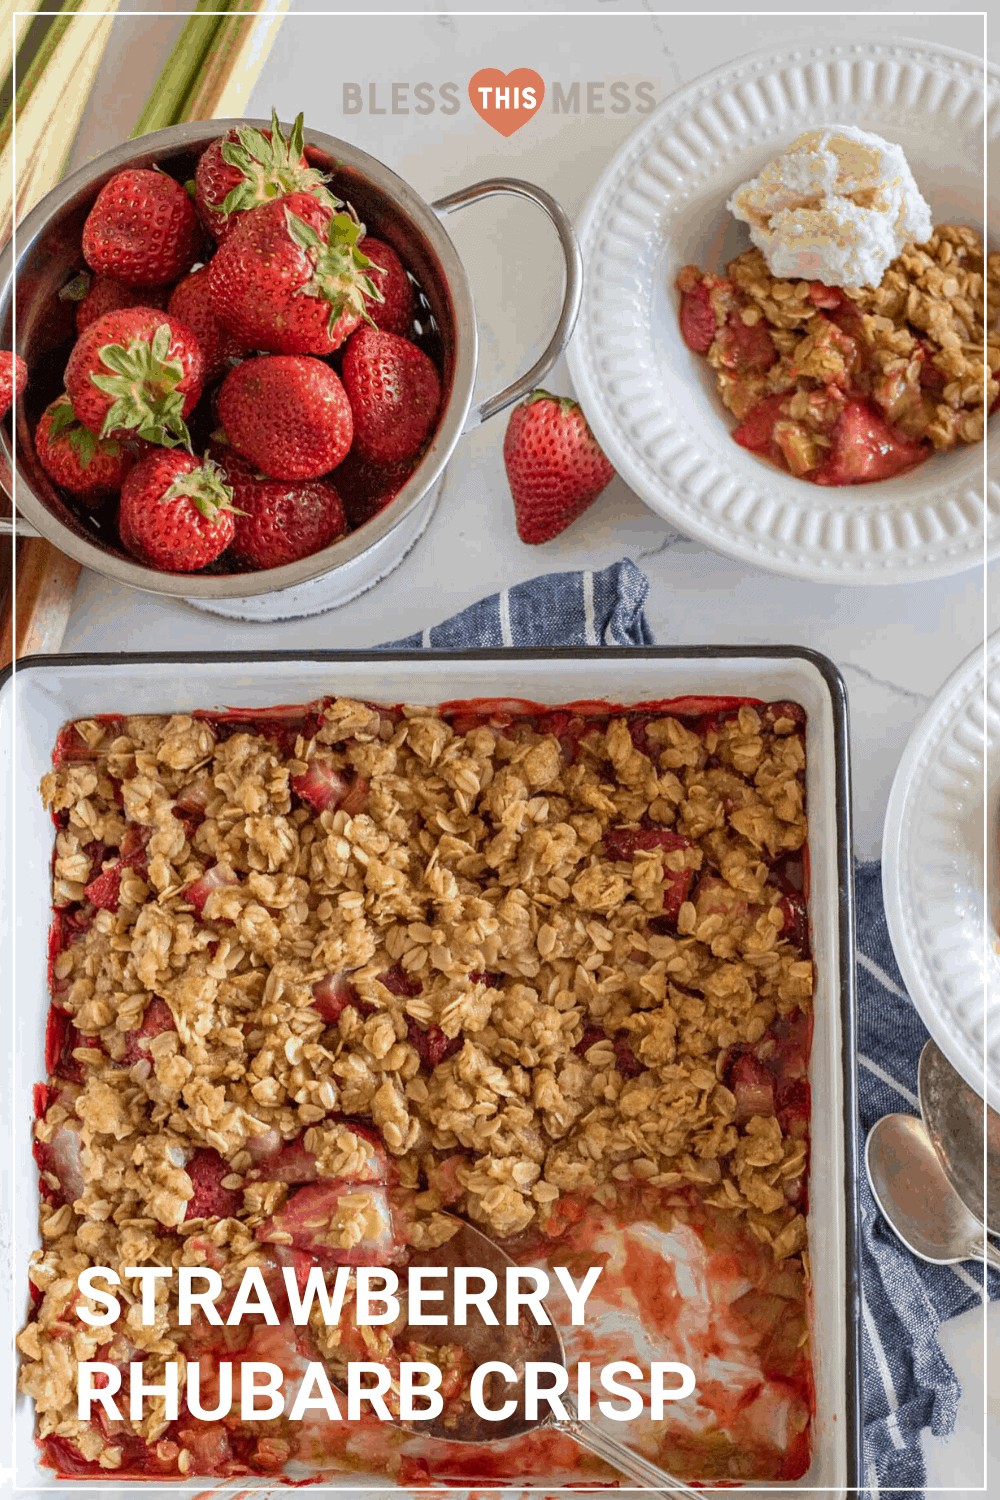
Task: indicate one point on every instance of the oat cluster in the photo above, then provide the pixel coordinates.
(937, 305)
(534, 1013)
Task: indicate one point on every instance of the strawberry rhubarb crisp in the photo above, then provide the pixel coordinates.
(319, 974)
(847, 385)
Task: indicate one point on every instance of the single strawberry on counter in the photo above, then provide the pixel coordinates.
(176, 511)
(13, 379)
(367, 488)
(288, 414)
(191, 303)
(394, 314)
(142, 229)
(250, 167)
(291, 278)
(282, 520)
(395, 393)
(554, 467)
(137, 371)
(76, 458)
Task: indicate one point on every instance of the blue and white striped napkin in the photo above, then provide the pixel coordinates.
(908, 1383)
(557, 609)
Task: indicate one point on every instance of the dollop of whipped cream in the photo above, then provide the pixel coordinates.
(836, 206)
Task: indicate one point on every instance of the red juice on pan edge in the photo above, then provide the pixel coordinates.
(767, 1419)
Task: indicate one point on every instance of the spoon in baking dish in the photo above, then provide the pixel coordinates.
(965, 1133)
(916, 1197)
(515, 1346)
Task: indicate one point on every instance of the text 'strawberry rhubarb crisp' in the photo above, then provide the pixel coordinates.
(319, 974)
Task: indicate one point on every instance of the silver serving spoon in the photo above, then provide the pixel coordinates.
(965, 1133)
(916, 1197)
(514, 1346)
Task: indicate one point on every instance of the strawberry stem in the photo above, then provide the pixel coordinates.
(205, 488)
(340, 270)
(144, 384)
(270, 168)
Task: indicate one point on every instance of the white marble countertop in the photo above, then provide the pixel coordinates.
(895, 646)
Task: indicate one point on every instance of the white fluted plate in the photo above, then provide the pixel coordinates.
(662, 204)
(939, 880)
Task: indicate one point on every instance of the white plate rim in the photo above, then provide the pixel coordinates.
(921, 776)
(836, 567)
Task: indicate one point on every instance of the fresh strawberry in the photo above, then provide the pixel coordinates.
(367, 488)
(554, 467)
(622, 843)
(76, 458)
(288, 414)
(394, 314)
(865, 448)
(142, 229)
(206, 1169)
(285, 519)
(191, 303)
(13, 379)
(291, 278)
(157, 1018)
(247, 168)
(394, 391)
(176, 513)
(136, 372)
(697, 320)
(96, 295)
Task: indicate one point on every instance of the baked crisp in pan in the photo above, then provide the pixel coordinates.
(318, 974)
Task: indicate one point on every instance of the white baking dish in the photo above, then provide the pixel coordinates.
(46, 691)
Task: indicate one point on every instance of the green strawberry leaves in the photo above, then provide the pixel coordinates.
(64, 418)
(565, 403)
(270, 168)
(205, 487)
(340, 270)
(76, 288)
(85, 444)
(144, 384)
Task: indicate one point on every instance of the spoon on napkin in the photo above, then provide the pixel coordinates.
(916, 1197)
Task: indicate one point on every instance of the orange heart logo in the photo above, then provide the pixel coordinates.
(506, 100)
